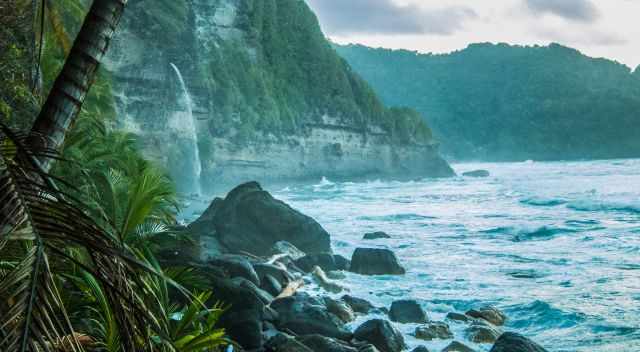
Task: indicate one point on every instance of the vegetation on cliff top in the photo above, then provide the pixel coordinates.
(503, 102)
(285, 74)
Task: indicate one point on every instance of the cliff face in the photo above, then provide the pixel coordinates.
(225, 91)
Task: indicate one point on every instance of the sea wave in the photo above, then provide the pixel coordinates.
(543, 202)
(396, 217)
(528, 233)
(542, 315)
(604, 206)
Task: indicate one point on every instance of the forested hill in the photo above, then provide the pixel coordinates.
(504, 102)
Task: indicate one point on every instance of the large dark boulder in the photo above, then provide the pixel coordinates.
(381, 334)
(375, 261)
(488, 313)
(512, 342)
(456, 346)
(435, 330)
(284, 343)
(306, 315)
(407, 311)
(242, 321)
(250, 220)
(277, 271)
(358, 305)
(326, 261)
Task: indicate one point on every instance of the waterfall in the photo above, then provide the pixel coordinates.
(183, 123)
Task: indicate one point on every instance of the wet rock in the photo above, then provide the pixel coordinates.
(340, 308)
(358, 305)
(420, 349)
(490, 314)
(306, 315)
(250, 220)
(512, 342)
(481, 331)
(277, 272)
(477, 173)
(407, 311)
(456, 346)
(326, 261)
(285, 343)
(433, 331)
(286, 248)
(243, 319)
(271, 285)
(380, 333)
(236, 266)
(318, 343)
(457, 317)
(375, 235)
(367, 348)
(323, 281)
(264, 296)
(375, 261)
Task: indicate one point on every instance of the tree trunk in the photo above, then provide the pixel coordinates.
(78, 73)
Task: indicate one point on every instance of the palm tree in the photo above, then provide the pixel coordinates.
(70, 89)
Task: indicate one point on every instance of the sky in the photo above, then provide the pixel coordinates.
(598, 28)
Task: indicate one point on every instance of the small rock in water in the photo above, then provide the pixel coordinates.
(375, 235)
(380, 333)
(456, 346)
(407, 311)
(433, 331)
(512, 342)
(358, 305)
(375, 261)
(420, 349)
(457, 317)
(476, 173)
(490, 314)
(481, 331)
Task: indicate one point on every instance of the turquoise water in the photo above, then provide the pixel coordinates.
(555, 245)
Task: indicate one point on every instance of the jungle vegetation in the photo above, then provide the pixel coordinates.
(81, 211)
(506, 102)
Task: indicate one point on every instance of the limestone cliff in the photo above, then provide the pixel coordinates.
(226, 91)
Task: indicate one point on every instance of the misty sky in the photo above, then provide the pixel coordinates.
(600, 28)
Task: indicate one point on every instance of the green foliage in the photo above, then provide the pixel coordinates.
(502, 102)
(285, 74)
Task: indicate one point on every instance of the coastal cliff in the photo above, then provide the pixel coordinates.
(226, 91)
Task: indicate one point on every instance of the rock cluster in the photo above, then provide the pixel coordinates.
(259, 280)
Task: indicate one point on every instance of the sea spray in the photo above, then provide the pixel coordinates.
(183, 123)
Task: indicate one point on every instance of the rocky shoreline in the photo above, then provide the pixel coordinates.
(257, 253)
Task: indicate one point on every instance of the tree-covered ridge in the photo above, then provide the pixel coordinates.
(285, 74)
(504, 102)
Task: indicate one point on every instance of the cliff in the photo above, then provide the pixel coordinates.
(507, 102)
(226, 91)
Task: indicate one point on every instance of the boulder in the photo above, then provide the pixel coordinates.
(284, 343)
(512, 342)
(340, 309)
(242, 321)
(264, 296)
(367, 348)
(236, 266)
(407, 311)
(433, 331)
(481, 331)
(326, 261)
(375, 235)
(456, 346)
(250, 220)
(375, 261)
(420, 349)
(380, 333)
(488, 313)
(286, 248)
(457, 317)
(318, 343)
(271, 285)
(476, 173)
(358, 305)
(276, 271)
(306, 315)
